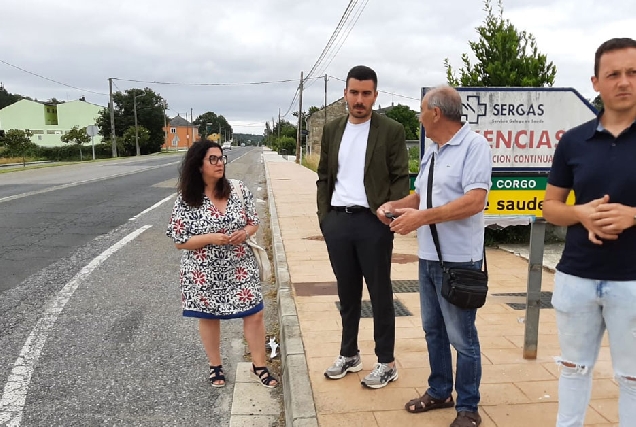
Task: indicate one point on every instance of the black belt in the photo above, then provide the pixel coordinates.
(350, 209)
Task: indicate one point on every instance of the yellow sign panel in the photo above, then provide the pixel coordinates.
(518, 202)
(214, 137)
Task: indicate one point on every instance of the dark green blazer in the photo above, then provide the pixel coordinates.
(386, 168)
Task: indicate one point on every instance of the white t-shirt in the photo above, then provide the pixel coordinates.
(349, 189)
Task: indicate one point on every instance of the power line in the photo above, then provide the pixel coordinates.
(117, 87)
(51, 80)
(348, 31)
(382, 91)
(334, 35)
(292, 103)
(205, 84)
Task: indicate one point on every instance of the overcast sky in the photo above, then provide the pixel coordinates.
(84, 42)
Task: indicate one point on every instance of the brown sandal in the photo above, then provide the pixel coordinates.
(426, 403)
(467, 419)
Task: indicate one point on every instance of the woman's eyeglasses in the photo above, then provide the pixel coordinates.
(215, 159)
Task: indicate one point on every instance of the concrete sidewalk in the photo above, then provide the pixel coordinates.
(515, 392)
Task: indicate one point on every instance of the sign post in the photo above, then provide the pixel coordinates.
(91, 131)
(523, 127)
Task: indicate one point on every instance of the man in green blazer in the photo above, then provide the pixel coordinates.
(363, 164)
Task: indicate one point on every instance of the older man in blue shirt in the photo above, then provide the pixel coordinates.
(461, 180)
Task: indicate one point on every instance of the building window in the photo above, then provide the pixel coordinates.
(39, 137)
(173, 130)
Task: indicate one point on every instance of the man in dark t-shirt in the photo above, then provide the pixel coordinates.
(595, 282)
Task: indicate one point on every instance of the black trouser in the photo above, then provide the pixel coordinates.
(359, 245)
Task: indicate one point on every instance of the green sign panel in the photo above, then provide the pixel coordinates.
(519, 183)
(505, 183)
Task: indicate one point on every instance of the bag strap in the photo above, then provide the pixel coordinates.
(433, 227)
(429, 205)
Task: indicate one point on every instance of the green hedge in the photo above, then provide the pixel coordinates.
(71, 152)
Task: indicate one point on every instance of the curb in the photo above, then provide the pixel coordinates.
(298, 396)
(547, 266)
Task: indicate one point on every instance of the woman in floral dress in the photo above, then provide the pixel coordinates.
(219, 274)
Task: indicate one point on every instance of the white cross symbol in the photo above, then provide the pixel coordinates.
(473, 109)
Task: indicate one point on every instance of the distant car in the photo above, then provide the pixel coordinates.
(242, 144)
(227, 145)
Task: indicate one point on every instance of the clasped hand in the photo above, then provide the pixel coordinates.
(236, 238)
(604, 220)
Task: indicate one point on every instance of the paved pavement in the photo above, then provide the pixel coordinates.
(515, 392)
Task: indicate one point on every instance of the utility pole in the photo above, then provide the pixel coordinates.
(279, 123)
(191, 127)
(112, 119)
(165, 125)
(300, 119)
(325, 99)
(137, 152)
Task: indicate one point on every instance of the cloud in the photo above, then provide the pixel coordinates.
(83, 43)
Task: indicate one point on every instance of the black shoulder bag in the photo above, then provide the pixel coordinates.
(463, 287)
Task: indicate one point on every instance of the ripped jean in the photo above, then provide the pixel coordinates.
(584, 309)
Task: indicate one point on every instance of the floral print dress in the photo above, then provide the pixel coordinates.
(217, 281)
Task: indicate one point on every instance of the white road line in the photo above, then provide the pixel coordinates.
(76, 183)
(16, 388)
(156, 205)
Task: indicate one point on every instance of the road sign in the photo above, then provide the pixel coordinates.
(523, 125)
(92, 130)
(214, 137)
(514, 195)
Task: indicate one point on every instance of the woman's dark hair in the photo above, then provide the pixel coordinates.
(191, 183)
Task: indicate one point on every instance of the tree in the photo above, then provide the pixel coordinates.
(77, 136)
(209, 123)
(128, 141)
(18, 142)
(598, 103)
(7, 98)
(407, 117)
(150, 115)
(306, 115)
(286, 129)
(505, 56)
(312, 110)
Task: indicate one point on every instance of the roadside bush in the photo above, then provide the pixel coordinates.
(284, 143)
(71, 152)
(414, 159)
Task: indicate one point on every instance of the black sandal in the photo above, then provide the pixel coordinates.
(216, 374)
(265, 377)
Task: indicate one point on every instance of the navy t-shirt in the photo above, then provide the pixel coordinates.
(592, 162)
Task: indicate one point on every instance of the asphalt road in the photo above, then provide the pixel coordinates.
(91, 332)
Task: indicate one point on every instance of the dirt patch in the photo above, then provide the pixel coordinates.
(404, 258)
(254, 177)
